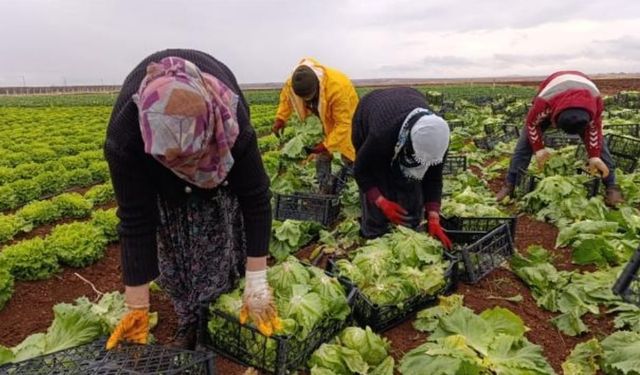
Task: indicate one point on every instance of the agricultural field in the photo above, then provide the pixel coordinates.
(549, 309)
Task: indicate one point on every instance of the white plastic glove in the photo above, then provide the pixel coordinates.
(541, 157)
(258, 304)
(597, 165)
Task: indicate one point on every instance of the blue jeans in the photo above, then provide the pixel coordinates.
(523, 152)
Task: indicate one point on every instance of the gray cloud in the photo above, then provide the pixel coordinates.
(491, 14)
(505, 59)
(457, 61)
(90, 42)
(624, 48)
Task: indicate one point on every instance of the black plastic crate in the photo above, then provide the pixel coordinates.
(624, 151)
(491, 141)
(632, 130)
(339, 181)
(93, 358)
(525, 183)
(504, 131)
(324, 209)
(482, 100)
(454, 164)
(484, 255)
(383, 317)
(278, 354)
(558, 139)
(468, 230)
(621, 144)
(628, 284)
(455, 124)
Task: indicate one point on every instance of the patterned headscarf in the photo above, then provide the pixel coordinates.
(422, 142)
(188, 121)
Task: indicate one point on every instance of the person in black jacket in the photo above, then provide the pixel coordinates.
(193, 196)
(400, 148)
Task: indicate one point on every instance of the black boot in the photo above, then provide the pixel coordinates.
(185, 337)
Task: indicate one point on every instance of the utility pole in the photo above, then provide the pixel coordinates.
(24, 82)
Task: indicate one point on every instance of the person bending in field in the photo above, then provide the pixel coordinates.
(193, 196)
(400, 149)
(315, 89)
(568, 100)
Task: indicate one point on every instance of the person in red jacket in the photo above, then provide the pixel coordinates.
(570, 101)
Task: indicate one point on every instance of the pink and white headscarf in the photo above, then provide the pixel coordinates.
(188, 121)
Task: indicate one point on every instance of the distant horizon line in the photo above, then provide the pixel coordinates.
(381, 81)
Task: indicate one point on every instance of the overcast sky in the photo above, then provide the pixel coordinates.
(99, 41)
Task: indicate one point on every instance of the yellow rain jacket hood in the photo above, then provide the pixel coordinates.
(336, 105)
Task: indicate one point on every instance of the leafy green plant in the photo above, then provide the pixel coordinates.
(76, 244)
(106, 221)
(395, 267)
(617, 354)
(6, 286)
(572, 294)
(9, 226)
(72, 205)
(464, 342)
(38, 213)
(291, 235)
(30, 260)
(100, 194)
(79, 177)
(354, 351)
(26, 190)
(52, 182)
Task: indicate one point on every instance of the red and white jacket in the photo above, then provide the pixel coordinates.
(560, 91)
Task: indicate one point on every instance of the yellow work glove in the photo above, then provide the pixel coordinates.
(134, 325)
(542, 156)
(258, 304)
(133, 328)
(597, 165)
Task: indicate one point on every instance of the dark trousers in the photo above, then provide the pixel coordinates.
(523, 153)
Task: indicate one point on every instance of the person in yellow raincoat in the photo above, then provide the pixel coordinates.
(315, 89)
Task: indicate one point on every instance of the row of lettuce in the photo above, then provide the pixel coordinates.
(76, 244)
(47, 151)
(388, 276)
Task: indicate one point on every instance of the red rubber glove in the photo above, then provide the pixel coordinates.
(318, 149)
(278, 127)
(436, 231)
(393, 211)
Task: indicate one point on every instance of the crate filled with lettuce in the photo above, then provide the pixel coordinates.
(394, 276)
(471, 220)
(354, 351)
(296, 192)
(313, 308)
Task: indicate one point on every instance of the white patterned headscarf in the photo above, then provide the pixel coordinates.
(421, 144)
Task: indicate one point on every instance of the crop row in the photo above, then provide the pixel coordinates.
(63, 206)
(77, 244)
(52, 181)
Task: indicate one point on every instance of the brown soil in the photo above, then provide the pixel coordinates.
(45, 230)
(30, 309)
(606, 86)
(403, 338)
